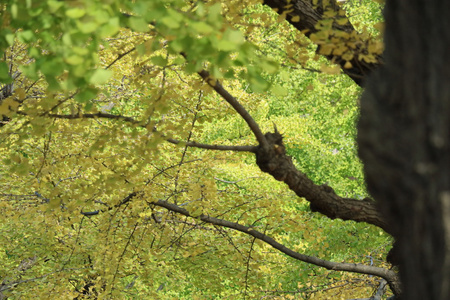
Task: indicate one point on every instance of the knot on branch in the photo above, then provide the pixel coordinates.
(273, 159)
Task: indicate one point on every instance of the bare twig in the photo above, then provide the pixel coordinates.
(247, 268)
(120, 56)
(235, 182)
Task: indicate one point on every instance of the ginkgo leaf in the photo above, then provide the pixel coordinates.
(295, 19)
(138, 24)
(330, 69)
(4, 72)
(75, 13)
(100, 76)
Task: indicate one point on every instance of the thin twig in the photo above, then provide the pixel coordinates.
(120, 56)
(248, 267)
(94, 116)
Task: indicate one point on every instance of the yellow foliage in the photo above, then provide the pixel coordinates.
(330, 69)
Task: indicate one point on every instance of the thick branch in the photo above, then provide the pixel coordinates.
(309, 18)
(322, 198)
(254, 127)
(389, 275)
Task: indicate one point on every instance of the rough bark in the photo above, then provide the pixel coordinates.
(310, 15)
(404, 140)
(322, 198)
(271, 158)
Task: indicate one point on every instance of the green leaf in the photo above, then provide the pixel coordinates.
(87, 27)
(86, 95)
(67, 39)
(141, 49)
(231, 40)
(179, 60)
(52, 67)
(138, 24)
(100, 76)
(75, 13)
(54, 5)
(34, 52)
(30, 71)
(9, 37)
(74, 59)
(269, 66)
(235, 36)
(4, 73)
(170, 22)
(258, 84)
(111, 28)
(26, 36)
(14, 10)
(159, 61)
(214, 16)
(173, 20)
(226, 46)
(53, 84)
(202, 27)
(279, 90)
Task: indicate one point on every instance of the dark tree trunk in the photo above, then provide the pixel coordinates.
(404, 140)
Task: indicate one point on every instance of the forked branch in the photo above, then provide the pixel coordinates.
(390, 276)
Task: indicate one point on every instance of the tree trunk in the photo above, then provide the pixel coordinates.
(404, 142)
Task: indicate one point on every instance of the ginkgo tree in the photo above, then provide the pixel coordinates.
(129, 132)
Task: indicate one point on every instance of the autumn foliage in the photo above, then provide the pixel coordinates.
(187, 150)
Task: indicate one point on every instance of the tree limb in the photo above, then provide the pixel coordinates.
(389, 275)
(131, 120)
(215, 147)
(310, 16)
(254, 127)
(99, 115)
(322, 198)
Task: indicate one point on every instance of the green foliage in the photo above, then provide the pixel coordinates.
(99, 86)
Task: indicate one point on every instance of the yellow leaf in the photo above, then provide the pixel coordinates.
(340, 50)
(326, 49)
(4, 108)
(332, 70)
(376, 48)
(20, 93)
(347, 56)
(342, 21)
(295, 19)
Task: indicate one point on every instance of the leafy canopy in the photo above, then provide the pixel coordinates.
(96, 90)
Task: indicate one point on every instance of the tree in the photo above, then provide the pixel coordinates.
(87, 130)
(404, 138)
